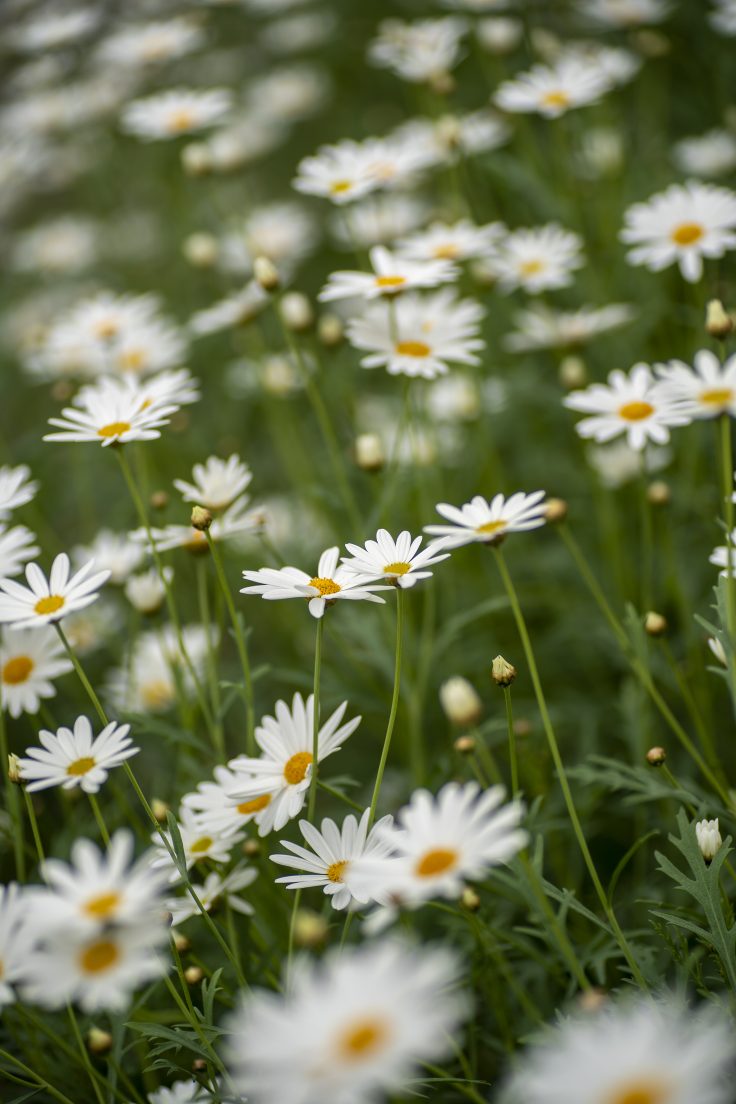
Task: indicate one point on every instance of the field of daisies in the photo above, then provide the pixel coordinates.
(368, 552)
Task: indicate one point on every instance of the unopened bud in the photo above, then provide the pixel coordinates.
(251, 848)
(193, 975)
(709, 838)
(449, 131)
(330, 329)
(159, 500)
(655, 624)
(296, 311)
(573, 373)
(14, 774)
(181, 942)
(310, 929)
(369, 452)
(555, 509)
(460, 701)
(592, 1000)
(196, 159)
(717, 322)
(99, 1041)
(470, 900)
(502, 672)
(658, 493)
(159, 809)
(656, 756)
(522, 727)
(199, 1065)
(201, 518)
(266, 273)
(201, 250)
(464, 745)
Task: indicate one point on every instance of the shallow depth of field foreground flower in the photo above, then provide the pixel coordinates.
(368, 552)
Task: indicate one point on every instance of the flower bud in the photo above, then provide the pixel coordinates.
(709, 838)
(296, 311)
(146, 591)
(196, 159)
(201, 518)
(656, 756)
(14, 774)
(199, 1065)
(470, 900)
(181, 942)
(266, 273)
(159, 809)
(573, 373)
(330, 329)
(310, 929)
(592, 1000)
(99, 1041)
(502, 673)
(655, 624)
(465, 745)
(193, 975)
(200, 250)
(460, 701)
(369, 452)
(499, 35)
(555, 509)
(251, 848)
(658, 493)
(159, 500)
(717, 322)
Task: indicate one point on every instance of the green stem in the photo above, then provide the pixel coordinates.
(513, 759)
(98, 817)
(394, 704)
(34, 826)
(560, 769)
(11, 798)
(315, 720)
(56, 1093)
(84, 1054)
(727, 478)
(240, 642)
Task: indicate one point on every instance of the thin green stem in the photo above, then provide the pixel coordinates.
(99, 818)
(394, 704)
(11, 798)
(82, 676)
(728, 506)
(205, 618)
(34, 826)
(315, 720)
(40, 1081)
(513, 758)
(84, 1054)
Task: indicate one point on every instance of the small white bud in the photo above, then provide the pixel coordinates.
(573, 373)
(460, 701)
(709, 838)
(201, 250)
(296, 311)
(266, 273)
(370, 455)
(146, 592)
(499, 35)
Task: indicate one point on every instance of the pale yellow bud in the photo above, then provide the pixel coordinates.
(470, 899)
(464, 745)
(658, 493)
(296, 311)
(555, 509)
(717, 322)
(460, 701)
(193, 975)
(201, 250)
(310, 929)
(330, 329)
(99, 1041)
(655, 624)
(266, 273)
(369, 452)
(656, 756)
(573, 373)
(14, 774)
(201, 518)
(196, 159)
(159, 809)
(502, 672)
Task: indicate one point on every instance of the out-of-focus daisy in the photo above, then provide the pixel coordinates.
(333, 851)
(284, 232)
(708, 388)
(355, 1024)
(151, 43)
(723, 16)
(711, 154)
(552, 90)
(113, 552)
(628, 404)
(60, 245)
(391, 275)
(378, 220)
(460, 241)
(499, 34)
(236, 519)
(16, 939)
(541, 327)
(146, 591)
(235, 310)
(74, 757)
(636, 1049)
(398, 560)
(29, 660)
(285, 767)
(217, 483)
(340, 173)
(488, 522)
(625, 13)
(45, 600)
(156, 673)
(330, 584)
(617, 463)
(49, 29)
(198, 844)
(419, 335)
(16, 549)
(422, 50)
(175, 113)
(538, 259)
(683, 224)
(113, 412)
(16, 489)
(216, 888)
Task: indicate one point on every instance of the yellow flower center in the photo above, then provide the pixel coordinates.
(296, 767)
(641, 1092)
(532, 267)
(80, 766)
(555, 98)
(337, 187)
(17, 669)
(362, 1038)
(336, 871)
(254, 805)
(390, 281)
(99, 956)
(106, 328)
(200, 845)
(435, 862)
(412, 348)
(490, 527)
(687, 233)
(52, 603)
(635, 411)
(325, 586)
(102, 906)
(157, 693)
(396, 569)
(180, 120)
(717, 396)
(114, 429)
(446, 252)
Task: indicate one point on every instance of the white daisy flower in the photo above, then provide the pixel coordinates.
(708, 389)
(156, 674)
(330, 584)
(450, 137)
(711, 154)
(391, 275)
(216, 888)
(111, 412)
(541, 327)
(635, 1049)
(235, 310)
(625, 13)
(47, 600)
(217, 483)
(212, 803)
(284, 768)
(723, 17)
(181, 1092)
(341, 173)
(175, 113)
(419, 335)
(617, 463)
(537, 259)
(74, 757)
(628, 404)
(57, 246)
(29, 660)
(398, 560)
(176, 388)
(552, 90)
(146, 591)
(16, 489)
(17, 547)
(144, 44)
(459, 241)
(418, 51)
(333, 851)
(113, 552)
(17, 943)
(378, 220)
(682, 224)
(49, 30)
(488, 522)
(283, 231)
(355, 1024)
(98, 889)
(198, 844)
